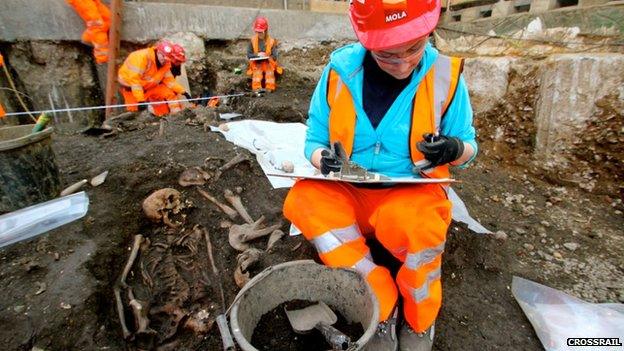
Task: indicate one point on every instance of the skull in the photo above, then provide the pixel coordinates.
(160, 204)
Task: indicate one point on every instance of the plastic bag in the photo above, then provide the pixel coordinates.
(557, 316)
(38, 219)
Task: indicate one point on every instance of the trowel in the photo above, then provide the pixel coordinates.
(320, 317)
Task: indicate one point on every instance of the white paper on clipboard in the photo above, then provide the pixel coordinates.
(259, 58)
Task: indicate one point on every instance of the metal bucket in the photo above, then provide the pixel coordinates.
(343, 289)
(28, 170)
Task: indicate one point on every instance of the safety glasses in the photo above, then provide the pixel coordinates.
(409, 55)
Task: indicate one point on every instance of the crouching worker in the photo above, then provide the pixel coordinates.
(399, 108)
(262, 55)
(146, 76)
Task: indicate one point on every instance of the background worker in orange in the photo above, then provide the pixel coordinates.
(97, 18)
(146, 76)
(399, 108)
(262, 45)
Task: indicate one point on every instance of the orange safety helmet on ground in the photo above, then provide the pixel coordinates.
(173, 53)
(384, 24)
(261, 25)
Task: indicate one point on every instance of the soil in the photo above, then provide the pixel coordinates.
(275, 333)
(58, 288)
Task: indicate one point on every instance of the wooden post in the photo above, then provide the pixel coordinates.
(113, 50)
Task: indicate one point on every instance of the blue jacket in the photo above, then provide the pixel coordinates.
(385, 149)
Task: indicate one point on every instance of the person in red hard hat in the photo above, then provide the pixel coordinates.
(262, 54)
(146, 76)
(400, 108)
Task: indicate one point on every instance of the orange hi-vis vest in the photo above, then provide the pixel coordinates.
(434, 95)
(140, 72)
(269, 44)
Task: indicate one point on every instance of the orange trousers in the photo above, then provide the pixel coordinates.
(263, 70)
(410, 221)
(158, 93)
(97, 18)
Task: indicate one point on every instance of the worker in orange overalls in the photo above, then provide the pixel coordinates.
(262, 55)
(400, 108)
(146, 76)
(97, 18)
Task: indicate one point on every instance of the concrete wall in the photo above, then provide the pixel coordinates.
(55, 20)
(262, 4)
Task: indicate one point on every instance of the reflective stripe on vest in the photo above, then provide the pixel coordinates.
(434, 95)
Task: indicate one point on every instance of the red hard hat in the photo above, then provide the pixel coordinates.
(178, 54)
(165, 48)
(384, 24)
(172, 52)
(260, 24)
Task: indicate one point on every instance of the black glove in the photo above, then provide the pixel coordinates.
(440, 149)
(330, 162)
(187, 95)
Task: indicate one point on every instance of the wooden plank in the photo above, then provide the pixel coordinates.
(113, 50)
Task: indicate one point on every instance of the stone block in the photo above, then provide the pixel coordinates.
(200, 73)
(470, 14)
(543, 5)
(570, 87)
(588, 3)
(503, 9)
(487, 79)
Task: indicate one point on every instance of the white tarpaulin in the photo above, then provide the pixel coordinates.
(273, 143)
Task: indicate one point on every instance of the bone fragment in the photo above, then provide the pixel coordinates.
(231, 163)
(193, 176)
(99, 179)
(287, 167)
(140, 314)
(74, 187)
(245, 261)
(276, 235)
(120, 312)
(241, 233)
(138, 240)
(236, 202)
(230, 212)
(199, 322)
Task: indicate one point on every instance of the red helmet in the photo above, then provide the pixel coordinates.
(260, 24)
(165, 48)
(383, 24)
(178, 55)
